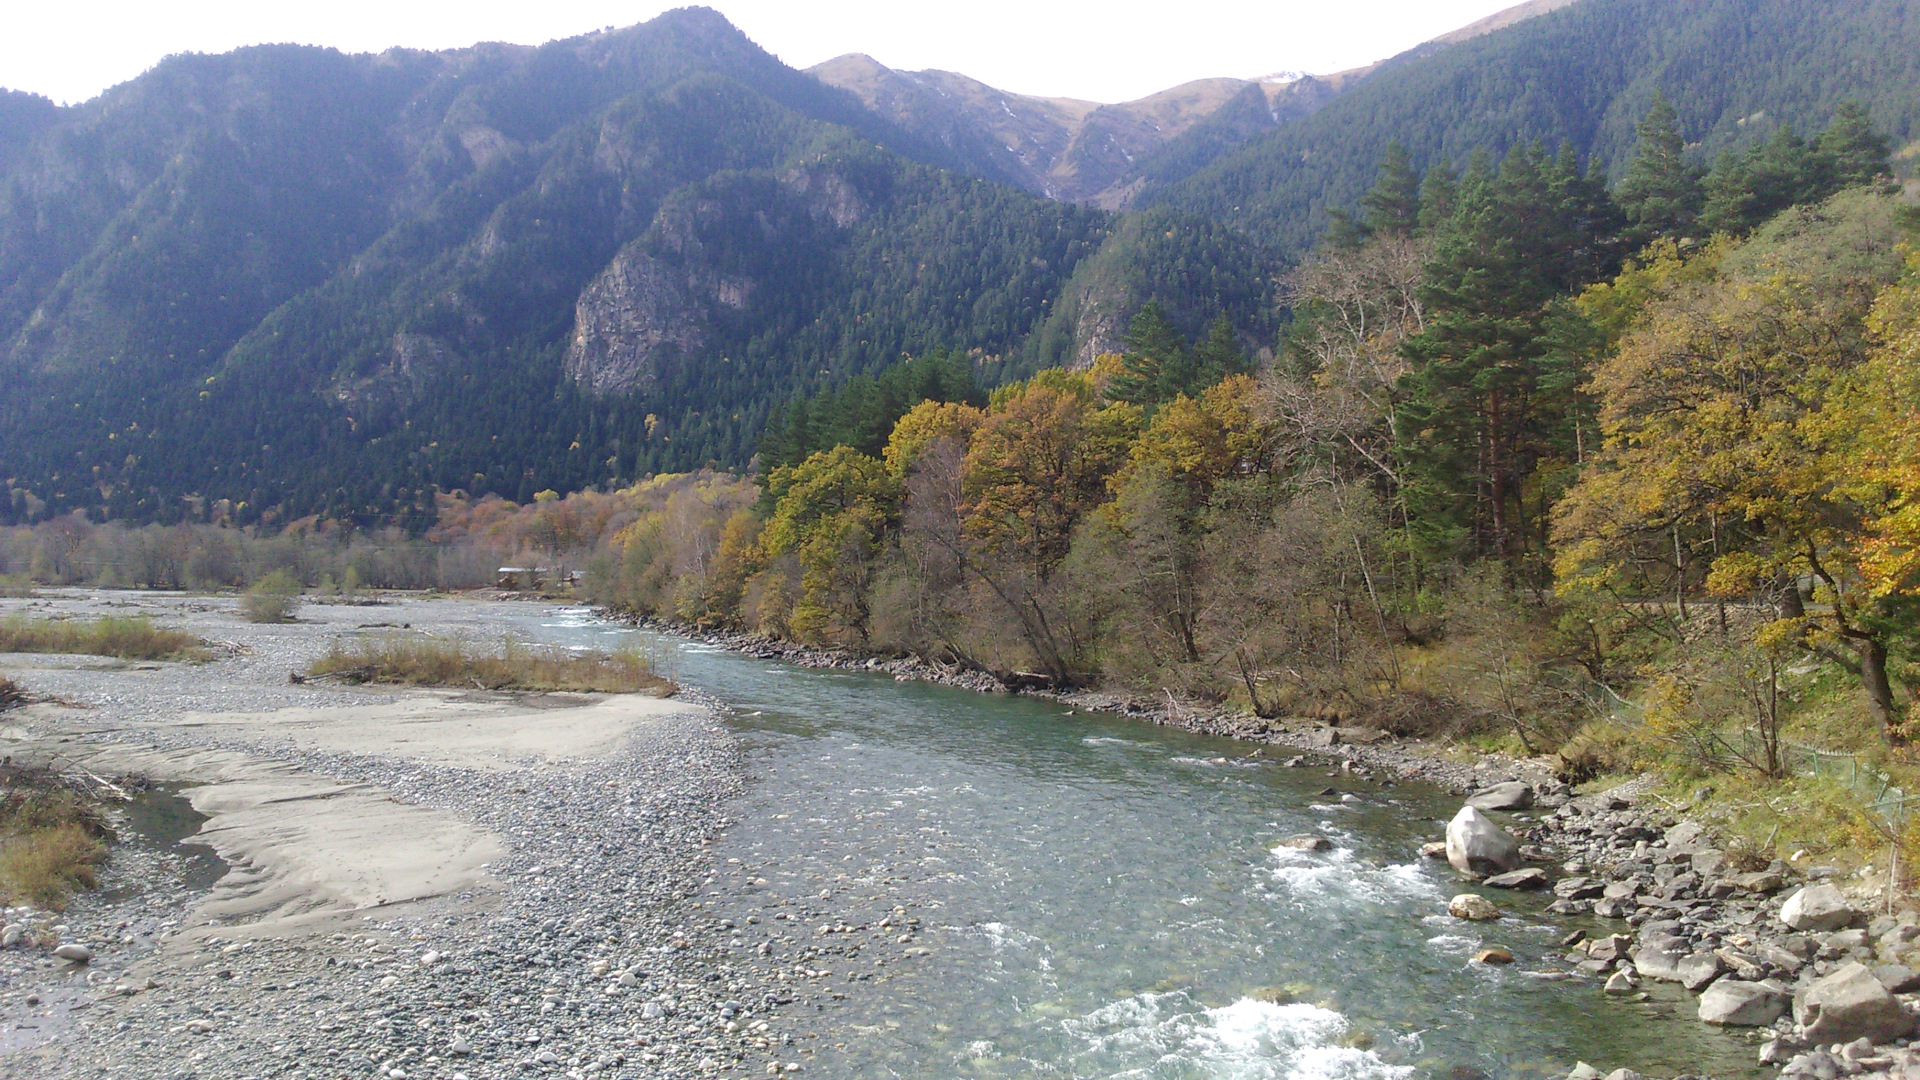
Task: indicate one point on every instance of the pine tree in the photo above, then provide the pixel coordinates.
(1438, 191)
(1661, 192)
(1393, 206)
(1216, 357)
(1155, 361)
(1852, 153)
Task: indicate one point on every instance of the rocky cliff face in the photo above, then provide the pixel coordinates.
(630, 321)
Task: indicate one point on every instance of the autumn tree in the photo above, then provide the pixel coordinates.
(829, 512)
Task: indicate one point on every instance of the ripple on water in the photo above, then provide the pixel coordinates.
(1340, 874)
(1169, 1037)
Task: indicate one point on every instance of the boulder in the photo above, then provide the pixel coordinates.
(1531, 877)
(1735, 1003)
(77, 953)
(1307, 842)
(1473, 907)
(1435, 850)
(1685, 836)
(1696, 971)
(1584, 1071)
(1512, 795)
(1495, 955)
(1609, 948)
(1850, 1004)
(1475, 845)
(1818, 907)
(1658, 960)
(1621, 983)
(1708, 862)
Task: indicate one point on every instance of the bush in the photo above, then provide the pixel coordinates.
(49, 841)
(273, 599)
(127, 639)
(431, 661)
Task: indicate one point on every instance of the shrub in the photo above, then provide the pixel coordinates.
(128, 639)
(45, 866)
(273, 599)
(434, 661)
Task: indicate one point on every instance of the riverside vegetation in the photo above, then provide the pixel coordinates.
(440, 661)
(1619, 475)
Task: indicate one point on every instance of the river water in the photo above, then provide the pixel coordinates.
(1098, 897)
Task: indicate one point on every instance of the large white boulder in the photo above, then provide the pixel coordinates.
(1475, 845)
(1819, 907)
(1512, 795)
(1850, 1004)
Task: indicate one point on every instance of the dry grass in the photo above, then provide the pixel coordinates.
(127, 639)
(438, 661)
(50, 840)
(11, 694)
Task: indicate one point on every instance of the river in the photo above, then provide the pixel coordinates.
(1100, 897)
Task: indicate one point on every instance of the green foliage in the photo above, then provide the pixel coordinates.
(1745, 190)
(861, 414)
(273, 599)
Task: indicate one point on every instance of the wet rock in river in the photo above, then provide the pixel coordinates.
(1475, 845)
(1472, 907)
(1307, 842)
(1738, 1003)
(1529, 878)
(1512, 795)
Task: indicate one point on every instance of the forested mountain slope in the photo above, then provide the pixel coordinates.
(285, 277)
(1734, 69)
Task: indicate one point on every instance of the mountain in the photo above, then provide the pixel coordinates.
(1108, 155)
(298, 281)
(285, 280)
(1582, 73)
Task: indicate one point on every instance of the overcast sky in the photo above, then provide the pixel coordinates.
(1114, 51)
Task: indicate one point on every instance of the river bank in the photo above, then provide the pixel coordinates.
(1664, 901)
(419, 883)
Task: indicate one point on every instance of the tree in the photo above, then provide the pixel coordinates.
(1393, 206)
(829, 511)
(1723, 466)
(1155, 362)
(1661, 191)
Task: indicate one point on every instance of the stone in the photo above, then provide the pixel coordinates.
(1685, 836)
(1621, 983)
(1512, 795)
(1475, 845)
(11, 934)
(1818, 907)
(1495, 955)
(1531, 877)
(1473, 907)
(1434, 850)
(1623, 1074)
(1850, 1004)
(1898, 978)
(1307, 842)
(1763, 882)
(459, 1047)
(1578, 888)
(75, 952)
(1584, 1071)
(1737, 1003)
(1708, 862)
(1609, 948)
(1657, 960)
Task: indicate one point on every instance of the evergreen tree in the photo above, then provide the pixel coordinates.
(1393, 206)
(1852, 153)
(1216, 356)
(1438, 192)
(1661, 192)
(1156, 360)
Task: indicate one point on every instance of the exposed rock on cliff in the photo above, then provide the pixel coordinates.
(632, 318)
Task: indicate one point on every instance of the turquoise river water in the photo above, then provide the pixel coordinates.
(1100, 897)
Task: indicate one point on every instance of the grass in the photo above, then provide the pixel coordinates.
(134, 638)
(11, 694)
(451, 662)
(51, 840)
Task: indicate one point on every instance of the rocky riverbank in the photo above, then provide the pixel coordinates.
(469, 904)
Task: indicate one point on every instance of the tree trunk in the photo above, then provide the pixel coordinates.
(1873, 678)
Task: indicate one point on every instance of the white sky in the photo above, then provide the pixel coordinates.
(70, 50)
